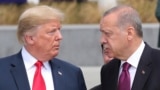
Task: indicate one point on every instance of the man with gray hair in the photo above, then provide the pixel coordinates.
(35, 66)
(136, 64)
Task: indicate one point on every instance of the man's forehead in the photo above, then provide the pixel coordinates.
(110, 17)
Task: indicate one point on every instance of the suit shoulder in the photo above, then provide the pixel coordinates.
(155, 56)
(155, 51)
(65, 64)
(13, 56)
(7, 58)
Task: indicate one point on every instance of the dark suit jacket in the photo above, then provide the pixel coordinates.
(13, 75)
(147, 76)
(98, 87)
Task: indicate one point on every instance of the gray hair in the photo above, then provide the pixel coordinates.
(34, 17)
(127, 16)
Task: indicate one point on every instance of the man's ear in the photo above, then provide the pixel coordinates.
(130, 32)
(29, 39)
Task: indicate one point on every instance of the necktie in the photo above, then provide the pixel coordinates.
(124, 79)
(38, 82)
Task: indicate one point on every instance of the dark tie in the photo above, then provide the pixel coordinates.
(124, 79)
(38, 81)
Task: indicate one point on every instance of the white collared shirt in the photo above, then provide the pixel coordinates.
(29, 62)
(133, 60)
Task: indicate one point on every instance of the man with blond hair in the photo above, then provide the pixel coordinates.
(35, 66)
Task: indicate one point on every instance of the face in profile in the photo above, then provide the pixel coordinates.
(112, 37)
(47, 39)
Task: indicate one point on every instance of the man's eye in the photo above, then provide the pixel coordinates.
(51, 32)
(108, 34)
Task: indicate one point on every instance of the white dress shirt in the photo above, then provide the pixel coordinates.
(133, 60)
(29, 62)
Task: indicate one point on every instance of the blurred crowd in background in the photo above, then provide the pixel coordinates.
(76, 11)
(36, 1)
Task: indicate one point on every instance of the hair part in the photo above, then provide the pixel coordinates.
(35, 16)
(126, 16)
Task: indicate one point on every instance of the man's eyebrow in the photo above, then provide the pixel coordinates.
(108, 31)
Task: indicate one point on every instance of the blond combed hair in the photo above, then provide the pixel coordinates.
(36, 16)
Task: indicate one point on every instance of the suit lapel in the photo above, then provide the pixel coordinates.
(58, 75)
(115, 74)
(109, 82)
(143, 70)
(19, 73)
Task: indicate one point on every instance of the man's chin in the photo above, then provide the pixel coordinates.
(55, 54)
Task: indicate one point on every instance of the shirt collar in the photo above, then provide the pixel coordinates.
(135, 57)
(29, 60)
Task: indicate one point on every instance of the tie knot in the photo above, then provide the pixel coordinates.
(126, 66)
(38, 63)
